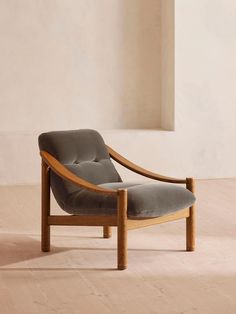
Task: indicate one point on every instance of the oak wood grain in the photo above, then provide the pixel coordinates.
(191, 220)
(135, 224)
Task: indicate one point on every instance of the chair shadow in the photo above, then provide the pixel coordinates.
(18, 248)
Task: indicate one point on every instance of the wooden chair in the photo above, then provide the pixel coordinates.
(57, 172)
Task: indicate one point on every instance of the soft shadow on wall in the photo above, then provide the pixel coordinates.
(140, 52)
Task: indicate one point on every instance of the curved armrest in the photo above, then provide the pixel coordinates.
(66, 174)
(131, 166)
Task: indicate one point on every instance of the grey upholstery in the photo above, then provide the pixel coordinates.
(84, 153)
(144, 200)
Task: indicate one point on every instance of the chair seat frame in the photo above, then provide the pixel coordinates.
(121, 220)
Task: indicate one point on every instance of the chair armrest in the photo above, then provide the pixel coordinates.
(66, 174)
(146, 173)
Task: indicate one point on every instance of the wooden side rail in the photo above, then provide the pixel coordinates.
(135, 168)
(141, 223)
(66, 174)
(82, 220)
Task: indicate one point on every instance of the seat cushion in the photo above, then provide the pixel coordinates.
(144, 200)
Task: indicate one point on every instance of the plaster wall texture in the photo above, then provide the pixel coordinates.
(73, 64)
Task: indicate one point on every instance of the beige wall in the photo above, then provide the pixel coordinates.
(64, 63)
(77, 64)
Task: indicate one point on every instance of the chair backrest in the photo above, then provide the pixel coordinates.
(84, 153)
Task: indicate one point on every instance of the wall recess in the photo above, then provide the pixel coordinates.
(146, 57)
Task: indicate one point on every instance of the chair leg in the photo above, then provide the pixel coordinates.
(190, 230)
(107, 232)
(45, 228)
(190, 221)
(122, 229)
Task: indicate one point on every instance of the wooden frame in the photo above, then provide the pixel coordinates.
(121, 221)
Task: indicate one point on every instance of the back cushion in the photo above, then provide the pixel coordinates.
(84, 153)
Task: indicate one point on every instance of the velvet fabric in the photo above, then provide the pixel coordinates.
(84, 153)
